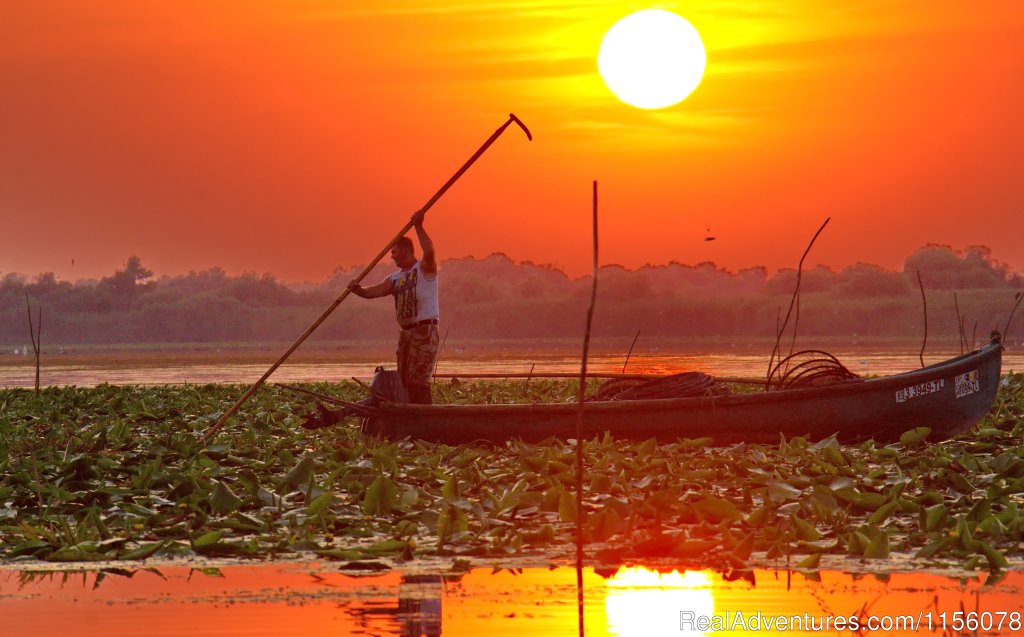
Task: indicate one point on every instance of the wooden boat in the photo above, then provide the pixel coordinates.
(948, 397)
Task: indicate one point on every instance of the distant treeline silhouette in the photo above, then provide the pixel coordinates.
(495, 297)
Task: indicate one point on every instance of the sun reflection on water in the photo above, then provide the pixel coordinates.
(640, 602)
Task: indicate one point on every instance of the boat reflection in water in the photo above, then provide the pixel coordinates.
(317, 600)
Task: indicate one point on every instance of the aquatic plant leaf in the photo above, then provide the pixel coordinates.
(963, 531)
(782, 491)
(996, 560)
(301, 473)
(810, 562)
(142, 551)
(567, 506)
(380, 497)
(758, 517)
(958, 482)
(869, 501)
(207, 539)
(340, 554)
(805, 530)
(882, 513)
(223, 501)
(878, 548)
(450, 491)
(30, 547)
(269, 498)
(387, 546)
(320, 504)
(74, 554)
(935, 517)
(915, 436)
(647, 447)
(718, 509)
(685, 547)
(935, 547)
(741, 552)
(604, 524)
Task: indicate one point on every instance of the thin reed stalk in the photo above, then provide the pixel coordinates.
(581, 396)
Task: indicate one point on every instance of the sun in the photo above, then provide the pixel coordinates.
(652, 59)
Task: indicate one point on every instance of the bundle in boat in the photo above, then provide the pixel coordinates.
(809, 368)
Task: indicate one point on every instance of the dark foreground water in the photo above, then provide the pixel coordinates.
(317, 599)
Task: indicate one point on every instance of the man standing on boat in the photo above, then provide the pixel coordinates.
(414, 288)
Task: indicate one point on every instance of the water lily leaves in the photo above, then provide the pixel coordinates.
(133, 477)
(223, 501)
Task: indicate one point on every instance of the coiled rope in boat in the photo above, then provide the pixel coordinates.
(809, 368)
(684, 385)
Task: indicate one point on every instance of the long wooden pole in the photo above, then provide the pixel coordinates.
(212, 431)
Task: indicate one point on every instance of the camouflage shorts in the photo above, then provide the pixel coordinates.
(417, 350)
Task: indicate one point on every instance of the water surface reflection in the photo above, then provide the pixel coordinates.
(312, 600)
(160, 369)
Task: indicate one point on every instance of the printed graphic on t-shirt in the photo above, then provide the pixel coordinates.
(404, 289)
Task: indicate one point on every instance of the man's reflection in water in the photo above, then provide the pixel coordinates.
(419, 605)
(419, 608)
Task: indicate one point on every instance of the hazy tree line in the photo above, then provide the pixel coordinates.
(498, 298)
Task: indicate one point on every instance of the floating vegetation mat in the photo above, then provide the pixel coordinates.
(117, 473)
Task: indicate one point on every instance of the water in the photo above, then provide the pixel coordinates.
(160, 369)
(316, 599)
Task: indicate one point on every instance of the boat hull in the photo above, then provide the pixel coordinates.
(947, 397)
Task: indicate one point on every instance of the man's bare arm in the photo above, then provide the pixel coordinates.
(429, 260)
(374, 291)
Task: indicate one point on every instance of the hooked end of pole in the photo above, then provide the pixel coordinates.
(512, 117)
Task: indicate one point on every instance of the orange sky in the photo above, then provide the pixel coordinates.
(292, 136)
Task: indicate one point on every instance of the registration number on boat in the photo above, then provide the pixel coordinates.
(967, 384)
(932, 386)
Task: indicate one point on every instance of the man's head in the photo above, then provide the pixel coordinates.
(403, 253)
